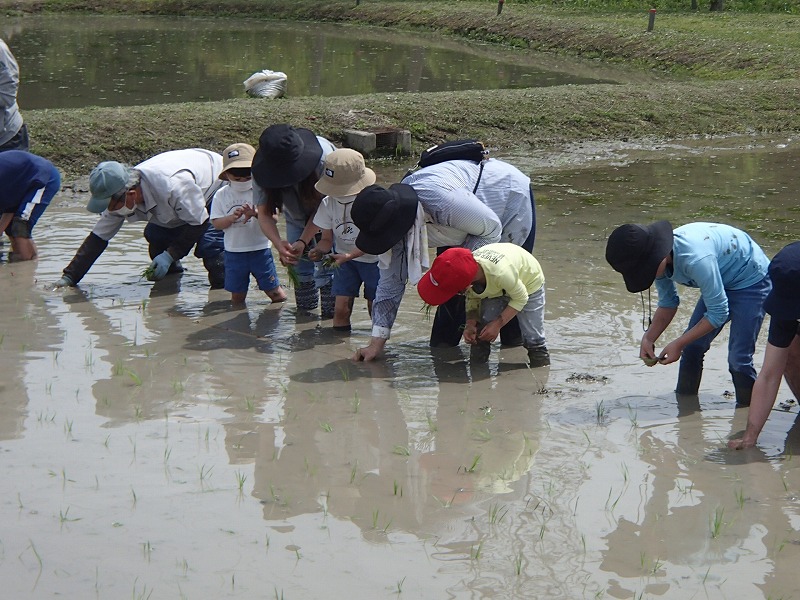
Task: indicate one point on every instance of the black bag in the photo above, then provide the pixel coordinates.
(468, 149)
(456, 150)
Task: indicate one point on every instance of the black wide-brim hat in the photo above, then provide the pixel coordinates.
(783, 300)
(383, 216)
(286, 155)
(637, 250)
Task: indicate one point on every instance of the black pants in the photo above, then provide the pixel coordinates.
(450, 318)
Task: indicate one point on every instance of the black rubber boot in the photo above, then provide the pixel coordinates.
(327, 301)
(306, 296)
(689, 376)
(743, 386)
(539, 356)
(216, 271)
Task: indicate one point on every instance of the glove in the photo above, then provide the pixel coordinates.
(159, 267)
(65, 281)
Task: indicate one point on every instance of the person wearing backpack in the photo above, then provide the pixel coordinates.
(442, 188)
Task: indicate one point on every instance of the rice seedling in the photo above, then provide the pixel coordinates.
(294, 278)
(356, 403)
(475, 460)
(344, 372)
(475, 553)
(177, 386)
(134, 377)
(326, 427)
(398, 488)
(497, 513)
(250, 403)
(375, 514)
(19, 502)
(149, 274)
(353, 472)
(401, 450)
(481, 434)
(204, 472)
(601, 413)
(68, 428)
(63, 517)
(133, 496)
(143, 595)
(518, 564)
(717, 522)
(240, 479)
(740, 499)
(426, 310)
(432, 427)
(329, 262)
(147, 550)
(137, 412)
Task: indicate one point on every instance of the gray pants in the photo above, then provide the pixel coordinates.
(531, 317)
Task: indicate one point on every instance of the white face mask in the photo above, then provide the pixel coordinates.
(123, 211)
(241, 186)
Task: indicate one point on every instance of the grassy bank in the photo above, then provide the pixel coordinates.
(718, 74)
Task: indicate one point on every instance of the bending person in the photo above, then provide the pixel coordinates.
(27, 184)
(782, 356)
(169, 191)
(392, 223)
(730, 270)
(502, 188)
(286, 167)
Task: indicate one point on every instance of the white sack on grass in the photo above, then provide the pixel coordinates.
(266, 84)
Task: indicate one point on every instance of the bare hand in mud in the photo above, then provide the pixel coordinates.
(739, 444)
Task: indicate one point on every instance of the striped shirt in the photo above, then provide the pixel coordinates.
(499, 210)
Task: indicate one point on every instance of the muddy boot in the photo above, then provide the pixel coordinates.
(479, 353)
(327, 301)
(305, 296)
(176, 267)
(216, 271)
(689, 376)
(538, 356)
(743, 386)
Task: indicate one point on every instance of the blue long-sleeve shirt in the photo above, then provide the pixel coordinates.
(714, 258)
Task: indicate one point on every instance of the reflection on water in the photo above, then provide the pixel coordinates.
(158, 442)
(71, 61)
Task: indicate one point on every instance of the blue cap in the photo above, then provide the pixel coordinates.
(783, 301)
(106, 179)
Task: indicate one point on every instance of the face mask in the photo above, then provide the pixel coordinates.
(241, 186)
(123, 211)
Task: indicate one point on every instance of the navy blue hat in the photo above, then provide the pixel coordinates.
(783, 301)
(383, 216)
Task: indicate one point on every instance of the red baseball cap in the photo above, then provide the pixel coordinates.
(451, 272)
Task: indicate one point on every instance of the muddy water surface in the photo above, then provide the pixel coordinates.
(157, 444)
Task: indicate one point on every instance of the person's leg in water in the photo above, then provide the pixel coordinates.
(262, 267)
(237, 276)
(746, 317)
(511, 334)
(690, 369)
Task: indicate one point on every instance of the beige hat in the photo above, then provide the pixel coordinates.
(345, 174)
(237, 156)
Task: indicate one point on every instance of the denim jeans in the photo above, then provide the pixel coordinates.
(745, 314)
(306, 269)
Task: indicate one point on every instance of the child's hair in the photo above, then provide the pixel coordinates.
(239, 172)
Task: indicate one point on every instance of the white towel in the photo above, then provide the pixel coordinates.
(415, 246)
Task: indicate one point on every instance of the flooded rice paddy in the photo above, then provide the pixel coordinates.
(156, 443)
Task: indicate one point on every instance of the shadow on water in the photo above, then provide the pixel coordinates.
(156, 438)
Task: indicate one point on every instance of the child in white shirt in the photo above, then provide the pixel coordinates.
(247, 249)
(343, 177)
